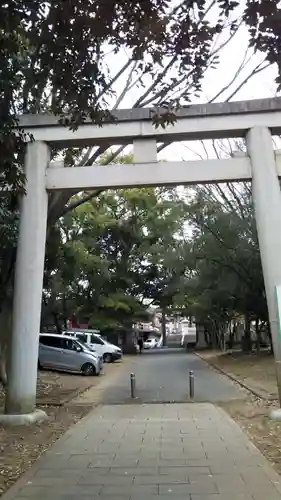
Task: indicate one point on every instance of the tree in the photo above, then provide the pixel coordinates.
(164, 271)
(224, 224)
(169, 47)
(125, 249)
(45, 44)
(227, 276)
(111, 257)
(8, 244)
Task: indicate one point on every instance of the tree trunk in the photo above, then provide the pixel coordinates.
(270, 337)
(247, 340)
(164, 327)
(5, 335)
(231, 335)
(65, 316)
(215, 335)
(258, 335)
(207, 337)
(57, 323)
(222, 339)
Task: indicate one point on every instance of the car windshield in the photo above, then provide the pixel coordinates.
(83, 344)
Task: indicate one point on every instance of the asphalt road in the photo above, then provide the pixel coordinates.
(162, 376)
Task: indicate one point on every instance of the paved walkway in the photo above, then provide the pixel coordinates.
(145, 452)
(162, 377)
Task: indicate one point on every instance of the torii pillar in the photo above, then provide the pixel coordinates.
(22, 365)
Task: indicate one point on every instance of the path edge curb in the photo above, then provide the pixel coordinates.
(256, 393)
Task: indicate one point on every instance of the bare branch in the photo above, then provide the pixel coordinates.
(228, 40)
(89, 158)
(224, 197)
(81, 201)
(258, 69)
(92, 154)
(158, 79)
(237, 199)
(196, 153)
(236, 74)
(115, 78)
(173, 86)
(141, 101)
(205, 149)
(163, 146)
(126, 86)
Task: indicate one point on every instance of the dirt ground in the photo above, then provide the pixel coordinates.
(61, 396)
(258, 373)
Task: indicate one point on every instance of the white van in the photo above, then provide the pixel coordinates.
(108, 351)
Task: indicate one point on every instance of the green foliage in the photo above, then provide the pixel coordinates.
(114, 252)
(8, 243)
(124, 249)
(263, 21)
(226, 275)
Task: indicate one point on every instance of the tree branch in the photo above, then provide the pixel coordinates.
(115, 78)
(257, 70)
(91, 158)
(236, 74)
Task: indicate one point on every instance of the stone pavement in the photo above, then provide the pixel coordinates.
(149, 452)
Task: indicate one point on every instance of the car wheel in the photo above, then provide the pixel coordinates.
(107, 357)
(88, 369)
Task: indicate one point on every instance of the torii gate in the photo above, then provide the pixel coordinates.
(256, 120)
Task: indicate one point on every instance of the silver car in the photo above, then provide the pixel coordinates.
(63, 352)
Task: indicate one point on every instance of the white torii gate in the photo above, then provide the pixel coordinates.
(256, 120)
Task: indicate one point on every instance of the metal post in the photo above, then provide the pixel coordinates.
(191, 384)
(133, 385)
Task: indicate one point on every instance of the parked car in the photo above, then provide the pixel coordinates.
(150, 343)
(63, 352)
(108, 351)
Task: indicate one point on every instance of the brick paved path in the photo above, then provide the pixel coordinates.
(146, 452)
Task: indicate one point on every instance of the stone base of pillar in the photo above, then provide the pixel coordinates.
(25, 419)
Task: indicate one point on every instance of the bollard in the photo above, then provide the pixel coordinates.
(133, 385)
(191, 384)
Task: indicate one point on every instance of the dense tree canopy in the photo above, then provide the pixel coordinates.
(189, 251)
(45, 44)
(109, 259)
